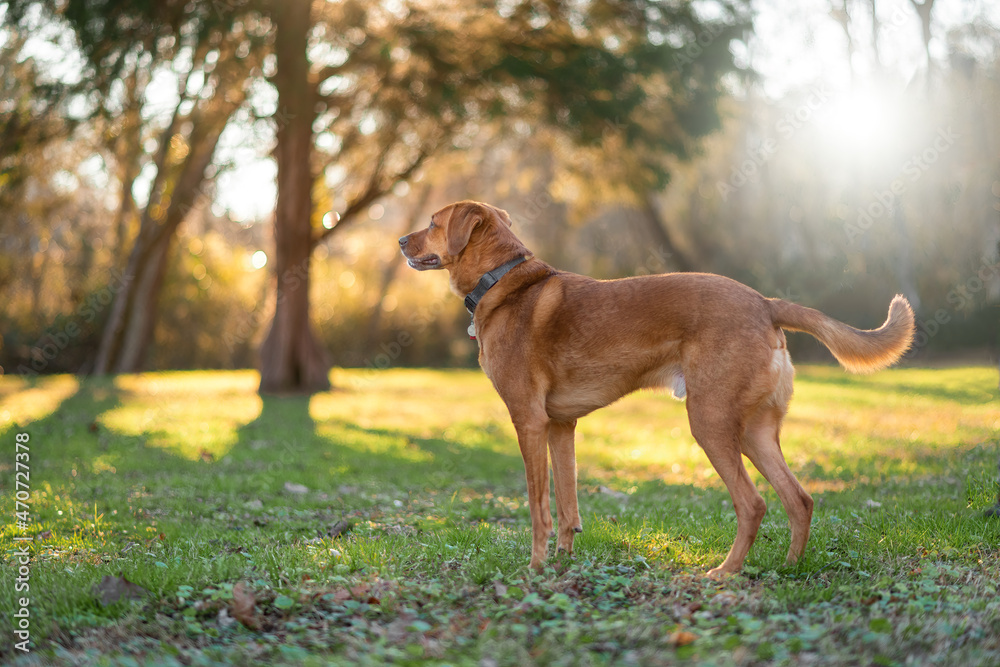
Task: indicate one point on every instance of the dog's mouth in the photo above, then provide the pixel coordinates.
(424, 263)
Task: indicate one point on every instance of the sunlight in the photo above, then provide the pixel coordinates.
(863, 122)
(24, 402)
(248, 191)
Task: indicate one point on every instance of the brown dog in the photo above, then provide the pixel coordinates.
(558, 346)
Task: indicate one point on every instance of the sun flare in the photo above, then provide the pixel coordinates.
(863, 122)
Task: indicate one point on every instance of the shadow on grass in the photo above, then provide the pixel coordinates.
(441, 461)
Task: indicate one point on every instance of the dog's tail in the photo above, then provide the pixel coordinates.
(858, 351)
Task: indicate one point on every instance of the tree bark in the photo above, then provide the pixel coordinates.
(129, 328)
(661, 236)
(291, 359)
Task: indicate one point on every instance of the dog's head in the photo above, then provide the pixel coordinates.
(467, 238)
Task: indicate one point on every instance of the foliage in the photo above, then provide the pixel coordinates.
(370, 525)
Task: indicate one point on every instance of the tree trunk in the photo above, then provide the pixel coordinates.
(138, 333)
(924, 10)
(661, 236)
(291, 358)
(129, 329)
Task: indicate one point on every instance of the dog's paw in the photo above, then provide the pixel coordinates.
(719, 574)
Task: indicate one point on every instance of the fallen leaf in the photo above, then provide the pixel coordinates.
(112, 589)
(206, 455)
(44, 535)
(500, 588)
(242, 607)
(682, 638)
(292, 487)
(93, 427)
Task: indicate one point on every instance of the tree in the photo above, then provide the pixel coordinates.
(394, 86)
(367, 93)
(125, 43)
(292, 359)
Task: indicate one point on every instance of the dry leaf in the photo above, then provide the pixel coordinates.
(682, 638)
(292, 487)
(242, 607)
(112, 589)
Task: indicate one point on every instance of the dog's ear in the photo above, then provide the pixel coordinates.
(463, 220)
(503, 215)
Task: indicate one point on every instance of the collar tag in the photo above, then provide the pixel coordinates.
(490, 279)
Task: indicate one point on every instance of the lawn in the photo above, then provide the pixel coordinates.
(385, 521)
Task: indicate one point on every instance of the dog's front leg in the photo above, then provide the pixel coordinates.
(564, 471)
(532, 436)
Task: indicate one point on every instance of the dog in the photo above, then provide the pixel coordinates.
(558, 345)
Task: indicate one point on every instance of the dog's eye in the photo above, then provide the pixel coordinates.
(432, 225)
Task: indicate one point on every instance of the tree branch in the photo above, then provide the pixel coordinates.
(377, 187)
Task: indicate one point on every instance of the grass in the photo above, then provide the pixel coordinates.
(191, 486)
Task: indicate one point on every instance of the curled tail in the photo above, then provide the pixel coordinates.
(858, 351)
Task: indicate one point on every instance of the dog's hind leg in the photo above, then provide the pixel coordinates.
(761, 445)
(718, 431)
(563, 452)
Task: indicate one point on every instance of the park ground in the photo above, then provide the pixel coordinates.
(178, 518)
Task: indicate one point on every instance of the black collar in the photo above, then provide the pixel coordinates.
(488, 281)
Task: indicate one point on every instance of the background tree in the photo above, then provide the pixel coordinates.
(125, 44)
(389, 87)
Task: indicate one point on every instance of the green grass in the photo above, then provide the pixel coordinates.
(178, 482)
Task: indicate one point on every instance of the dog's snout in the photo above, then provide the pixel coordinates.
(403, 240)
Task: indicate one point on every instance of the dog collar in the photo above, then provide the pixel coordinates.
(484, 285)
(488, 281)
